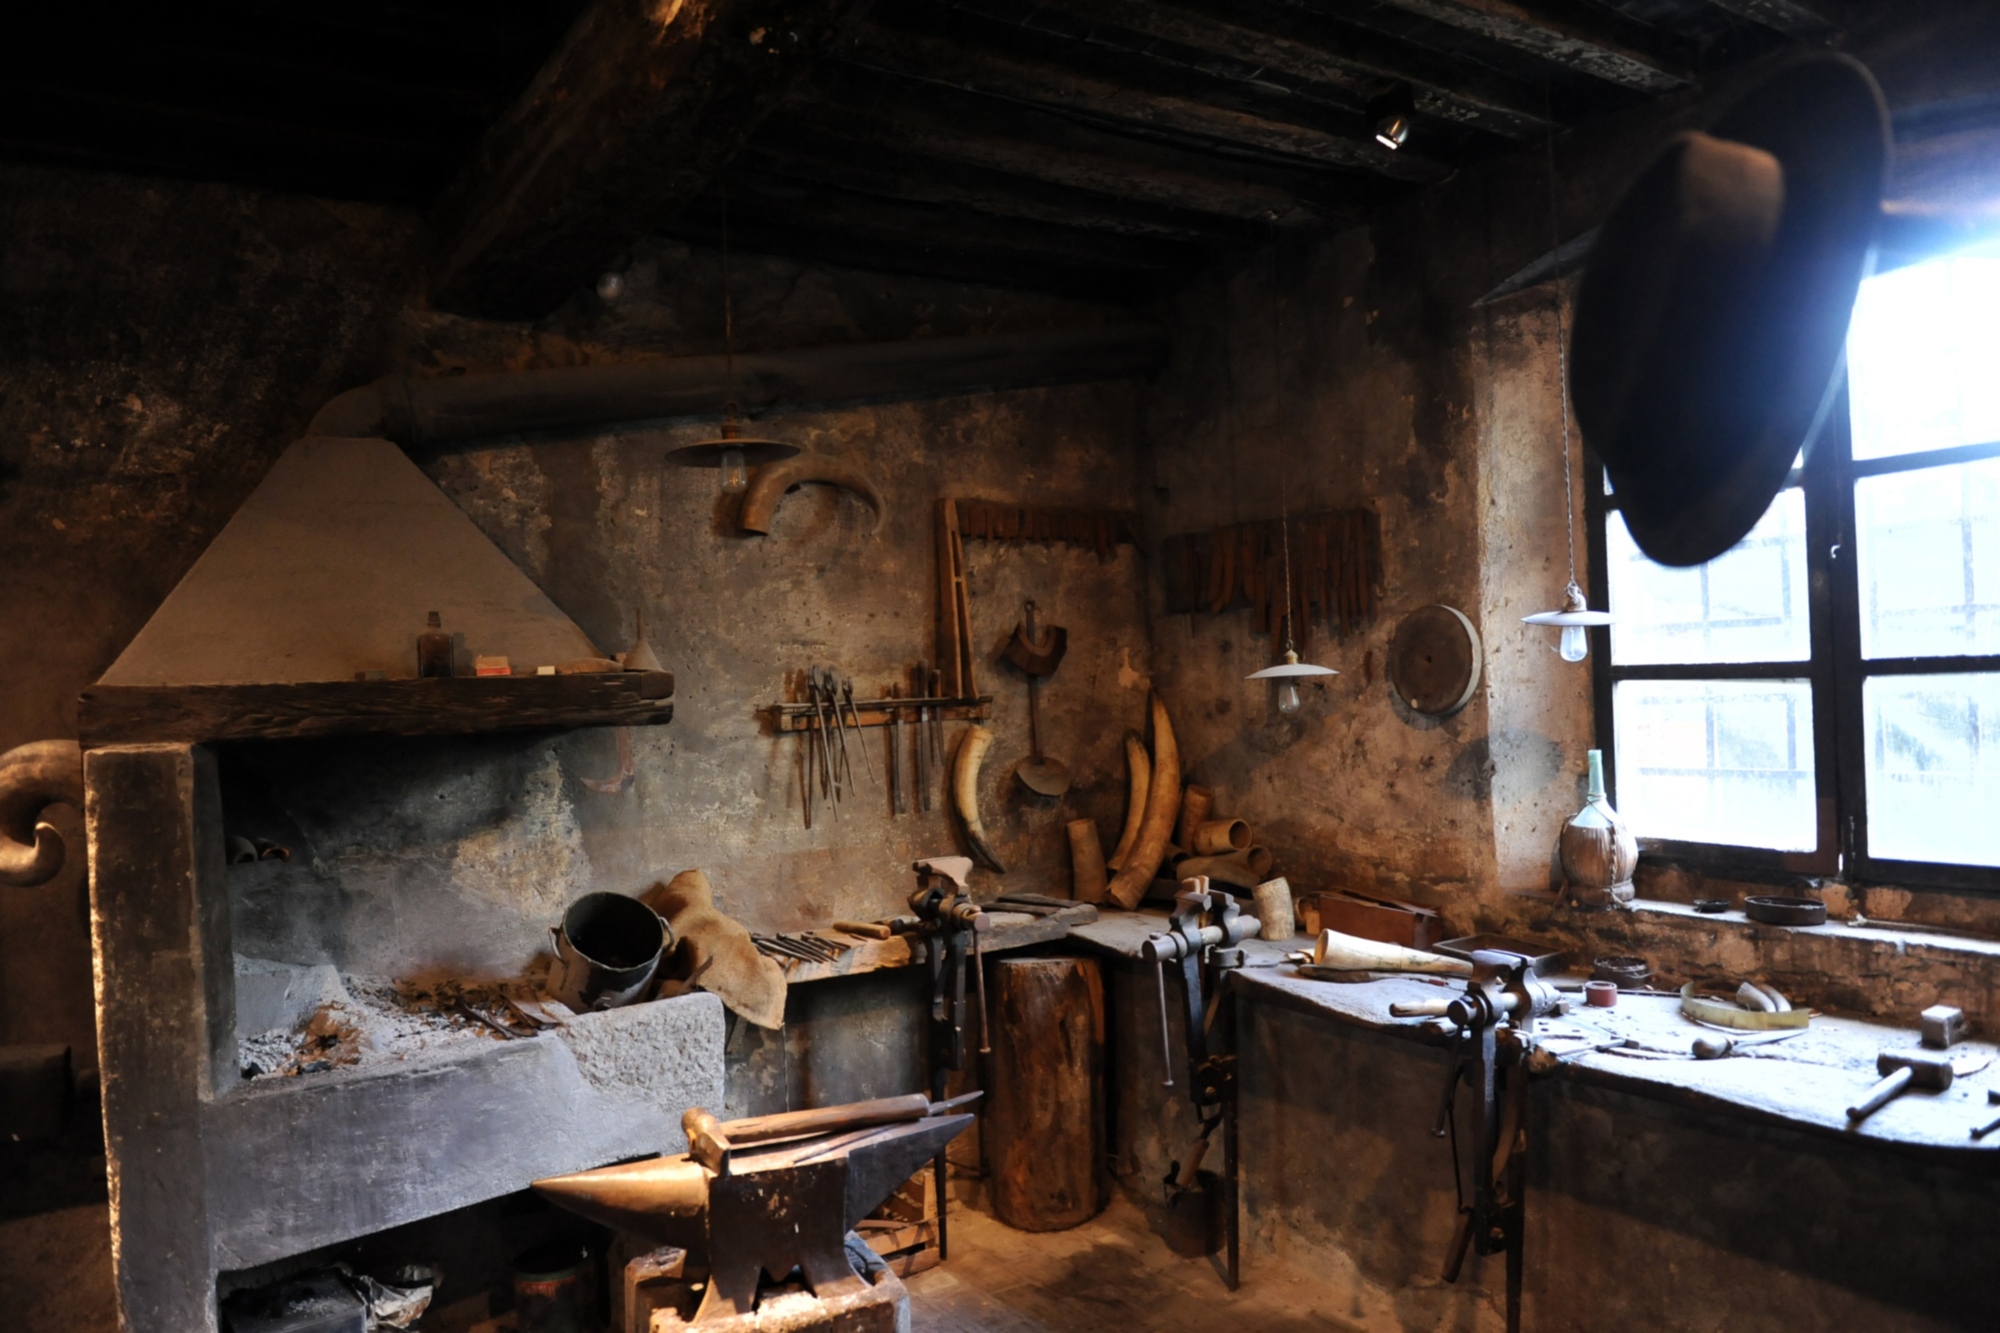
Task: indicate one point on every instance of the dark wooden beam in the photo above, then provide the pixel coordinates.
(1130, 110)
(1599, 42)
(813, 220)
(437, 410)
(151, 714)
(813, 150)
(1287, 41)
(629, 120)
(1787, 16)
(935, 121)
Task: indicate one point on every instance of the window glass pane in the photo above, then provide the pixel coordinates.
(1728, 761)
(1747, 605)
(1928, 547)
(1920, 358)
(1933, 768)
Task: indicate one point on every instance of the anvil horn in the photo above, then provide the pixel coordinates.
(664, 1199)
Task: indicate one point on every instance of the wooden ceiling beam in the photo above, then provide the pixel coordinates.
(1131, 110)
(1787, 16)
(1292, 42)
(1599, 42)
(810, 150)
(772, 215)
(935, 122)
(637, 109)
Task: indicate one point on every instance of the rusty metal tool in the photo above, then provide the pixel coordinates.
(1992, 1099)
(1036, 653)
(867, 930)
(952, 923)
(1903, 1070)
(1204, 937)
(898, 801)
(867, 764)
(921, 685)
(934, 684)
(778, 1207)
(1715, 1048)
(829, 770)
(829, 688)
(1501, 999)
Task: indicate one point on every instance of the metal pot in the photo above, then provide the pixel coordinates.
(607, 949)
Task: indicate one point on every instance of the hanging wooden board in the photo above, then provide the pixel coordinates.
(1434, 660)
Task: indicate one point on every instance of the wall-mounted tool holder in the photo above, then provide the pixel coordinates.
(881, 712)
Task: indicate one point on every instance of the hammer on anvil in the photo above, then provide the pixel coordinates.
(781, 1206)
(1903, 1070)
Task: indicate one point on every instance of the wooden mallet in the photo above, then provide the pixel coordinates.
(1901, 1071)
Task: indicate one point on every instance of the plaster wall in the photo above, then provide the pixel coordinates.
(1323, 375)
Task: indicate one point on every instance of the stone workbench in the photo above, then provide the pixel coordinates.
(1662, 1193)
(1804, 1082)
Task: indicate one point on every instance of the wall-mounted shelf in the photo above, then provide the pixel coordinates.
(463, 705)
(880, 712)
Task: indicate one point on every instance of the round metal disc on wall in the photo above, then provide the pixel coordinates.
(1434, 661)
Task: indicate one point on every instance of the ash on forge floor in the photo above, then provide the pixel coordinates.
(1109, 1274)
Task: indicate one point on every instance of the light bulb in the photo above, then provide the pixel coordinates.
(1575, 643)
(1288, 695)
(736, 474)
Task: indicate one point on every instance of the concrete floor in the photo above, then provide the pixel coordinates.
(1112, 1273)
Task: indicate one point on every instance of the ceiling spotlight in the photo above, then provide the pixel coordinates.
(1389, 111)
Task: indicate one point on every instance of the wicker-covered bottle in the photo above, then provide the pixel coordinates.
(1598, 849)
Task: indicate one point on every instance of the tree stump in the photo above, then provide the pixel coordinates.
(1044, 1120)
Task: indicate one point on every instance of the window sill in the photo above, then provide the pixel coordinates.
(1893, 937)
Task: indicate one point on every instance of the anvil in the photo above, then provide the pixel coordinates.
(773, 1207)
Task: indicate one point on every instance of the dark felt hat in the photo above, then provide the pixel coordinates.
(1712, 313)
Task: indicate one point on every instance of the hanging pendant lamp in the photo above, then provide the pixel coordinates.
(1576, 618)
(731, 452)
(1289, 672)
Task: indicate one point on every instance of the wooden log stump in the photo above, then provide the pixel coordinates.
(1044, 1120)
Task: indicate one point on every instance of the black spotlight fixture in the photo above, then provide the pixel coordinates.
(1390, 110)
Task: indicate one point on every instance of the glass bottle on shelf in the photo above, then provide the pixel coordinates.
(434, 650)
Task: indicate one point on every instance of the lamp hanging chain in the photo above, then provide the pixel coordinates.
(1562, 340)
(1284, 455)
(728, 317)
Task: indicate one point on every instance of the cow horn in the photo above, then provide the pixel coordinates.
(33, 777)
(965, 792)
(1163, 807)
(1141, 768)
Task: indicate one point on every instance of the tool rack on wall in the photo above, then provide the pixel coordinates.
(881, 712)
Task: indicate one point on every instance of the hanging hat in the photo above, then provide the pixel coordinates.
(1715, 305)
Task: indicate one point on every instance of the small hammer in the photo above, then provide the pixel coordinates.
(1902, 1070)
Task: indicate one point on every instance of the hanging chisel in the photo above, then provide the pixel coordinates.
(936, 686)
(847, 693)
(922, 677)
(844, 767)
(829, 776)
(897, 803)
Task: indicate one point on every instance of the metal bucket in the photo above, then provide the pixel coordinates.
(607, 949)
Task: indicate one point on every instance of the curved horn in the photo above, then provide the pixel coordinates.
(32, 777)
(1245, 869)
(965, 792)
(1163, 807)
(773, 480)
(1140, 766)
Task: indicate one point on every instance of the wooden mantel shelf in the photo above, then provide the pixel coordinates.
(144, 714)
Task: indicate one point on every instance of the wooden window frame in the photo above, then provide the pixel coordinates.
(1836, 670)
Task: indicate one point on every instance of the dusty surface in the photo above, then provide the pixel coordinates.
(1109, 1273)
